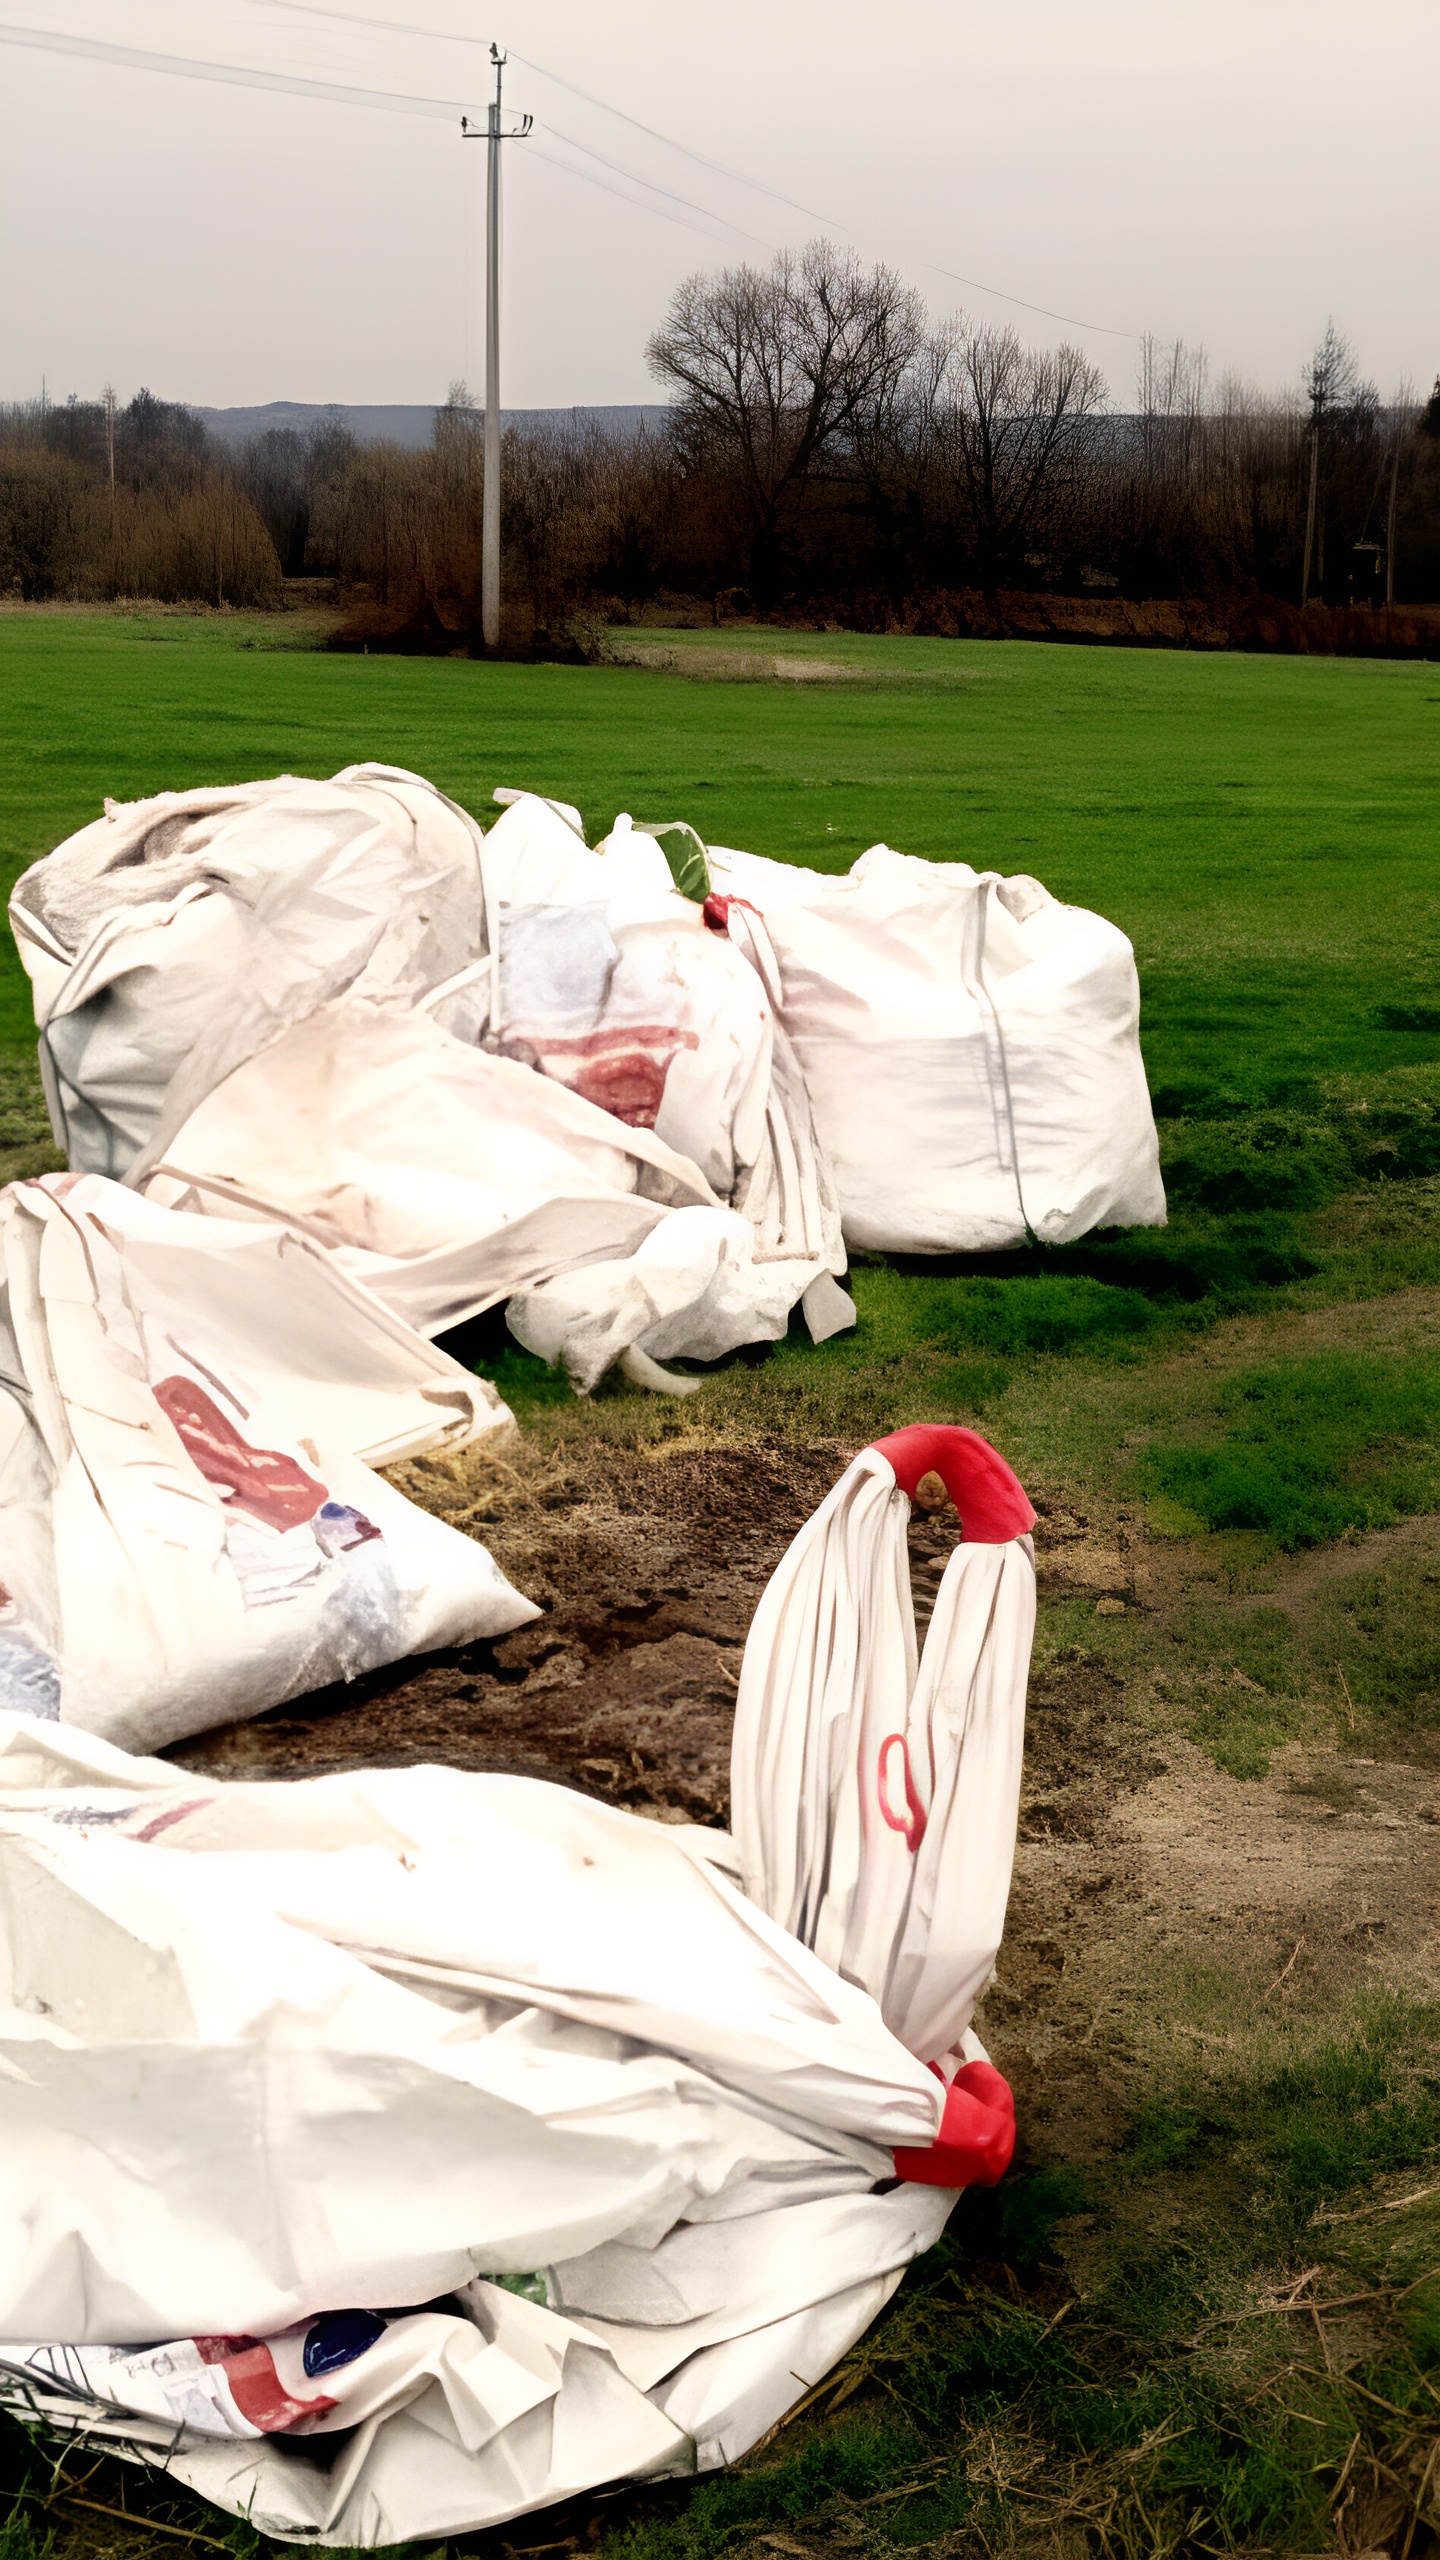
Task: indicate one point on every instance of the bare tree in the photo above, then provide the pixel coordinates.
(1331, 381)
(775, 371)
(1015, 428)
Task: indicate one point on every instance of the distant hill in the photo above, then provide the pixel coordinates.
(372, 422)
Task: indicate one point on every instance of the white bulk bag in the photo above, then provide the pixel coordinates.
(176, 936)
(447, 1179)
(874, 1792)
(491, 2030)
(606, 978)
(971, 1051)
(189, 1532)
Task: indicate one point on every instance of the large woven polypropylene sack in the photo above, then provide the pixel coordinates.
(449, 1179)
(604, 975)
(189, 1528)
(874, 1787)
(970, 1047)
(512, 2048)
(421, 2038)
(175, 937)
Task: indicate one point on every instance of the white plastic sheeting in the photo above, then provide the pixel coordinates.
(970, 1047)
(618, 2144)
(189, 1530)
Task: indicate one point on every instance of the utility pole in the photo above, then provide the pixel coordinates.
(110, 438)
(1310, 509)
(495, 134)
(1403, 415)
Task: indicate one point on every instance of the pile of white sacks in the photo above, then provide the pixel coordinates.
(505, 1067)
(391, 2154)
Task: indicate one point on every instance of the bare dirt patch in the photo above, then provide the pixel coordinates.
(647, 1568)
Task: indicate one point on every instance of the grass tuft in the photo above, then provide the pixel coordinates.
(1312, 1447)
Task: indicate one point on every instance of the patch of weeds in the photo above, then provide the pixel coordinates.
(1015, 2223)
(1373, 1641)
(1266, 1161)
(1311, 1448)
(1279, 2143)
(1295, 1147)
(1053, 1312)
(1247, 1693)
(24, 1120)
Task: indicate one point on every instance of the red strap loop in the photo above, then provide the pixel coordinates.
(992, 1502)
(976, 2141)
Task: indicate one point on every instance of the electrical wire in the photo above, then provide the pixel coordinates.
(178, 66)
(444, 35)
(334, 93)
(134, 58)
(634, 200)
(636, 180)
(447, 35)
(1092, 328)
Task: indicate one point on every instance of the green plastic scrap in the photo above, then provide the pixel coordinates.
(686, 855)
(531, 2288)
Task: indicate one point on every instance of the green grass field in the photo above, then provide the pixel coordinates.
(1263, 829)
(1103, 2359)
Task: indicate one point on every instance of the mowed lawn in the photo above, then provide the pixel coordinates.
(1264, 829)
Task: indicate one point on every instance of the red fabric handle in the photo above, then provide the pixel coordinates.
(716, 910)
(992, 1502)
(976, 2141)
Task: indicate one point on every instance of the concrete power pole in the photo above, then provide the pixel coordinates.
(495, 134)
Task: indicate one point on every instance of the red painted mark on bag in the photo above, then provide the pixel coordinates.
(622, 1071)
(256, 2387)
(913, 1820)
(265, 1482)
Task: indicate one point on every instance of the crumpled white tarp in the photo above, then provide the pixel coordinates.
(606, 2142)
(176, 936)
(448, 1179)
(349, 969)
(970, 1047)
(189, 1528)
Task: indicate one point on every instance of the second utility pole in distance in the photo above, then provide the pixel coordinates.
(490, 503)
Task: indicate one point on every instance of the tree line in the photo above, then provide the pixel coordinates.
(827, 453)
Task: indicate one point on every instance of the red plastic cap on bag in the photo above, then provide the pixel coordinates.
(976, 2141)
(992, 1502)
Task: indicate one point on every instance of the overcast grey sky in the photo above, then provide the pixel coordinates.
(1232, 171)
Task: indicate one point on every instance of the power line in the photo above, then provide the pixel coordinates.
(336, 93)
(447, 35)
(178, 66)
(444, 35)
(635, 202)
(636, 180)
(1092, 328)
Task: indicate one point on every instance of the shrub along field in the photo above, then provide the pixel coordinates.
(1203, 2314)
